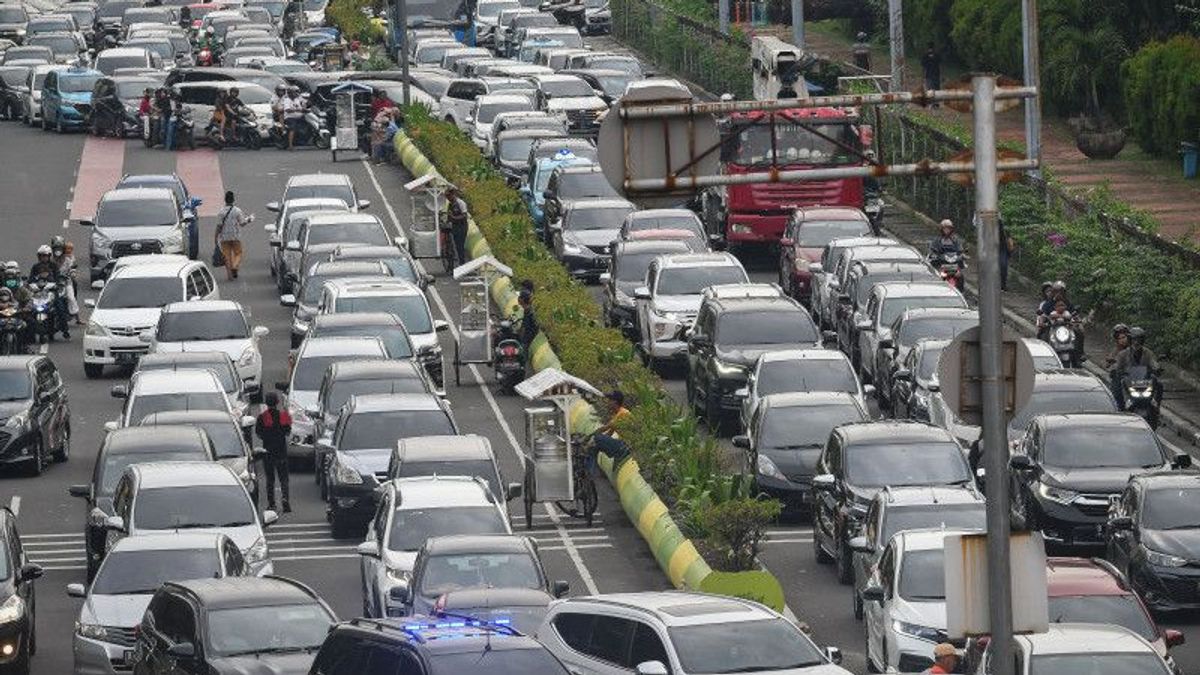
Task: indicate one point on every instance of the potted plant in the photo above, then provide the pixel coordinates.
(1082, 66)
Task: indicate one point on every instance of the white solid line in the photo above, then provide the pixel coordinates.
(797, 540)
(593, 537)
(292, 549)
(61, 535)
(574, 547)
(570, 547)
(58, 560)
(14, 505)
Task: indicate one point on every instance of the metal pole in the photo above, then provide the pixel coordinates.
(896, 37)
(994, 437)
(1032, 63)
(798, 23)
(402, 25)
(723, 16)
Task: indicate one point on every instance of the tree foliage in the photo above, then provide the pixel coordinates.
(1161, 85)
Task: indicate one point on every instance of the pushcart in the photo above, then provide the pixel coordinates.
(345, 135)
(473, 343)
(426, 197)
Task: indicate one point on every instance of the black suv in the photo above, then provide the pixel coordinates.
(726, 341)
(230, 626)
(449, 645)
(18, 631)
(1067, 467)
(35, 416)
(859, 460)
(1154, 536)
(568, 183)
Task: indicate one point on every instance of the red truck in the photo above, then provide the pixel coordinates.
(803, 138)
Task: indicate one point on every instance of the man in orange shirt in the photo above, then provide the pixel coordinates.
(945, 659)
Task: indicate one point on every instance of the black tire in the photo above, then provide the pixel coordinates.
(93, 370)
(280, 141)
(819, 553)
(38, 465)
(845, 568)
(58, 126)
(251, 139)
(321, 141)
(587, 501)
(63, 453)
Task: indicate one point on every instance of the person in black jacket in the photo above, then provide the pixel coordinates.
(273, 427)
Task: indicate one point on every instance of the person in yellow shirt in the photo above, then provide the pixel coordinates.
(606, 438)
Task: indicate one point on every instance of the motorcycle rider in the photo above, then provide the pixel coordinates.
(1058, 294)
(1137, 354)
(14, 282)
(63, 255)
(1120, 335)
(945, 243)
(45, 269)
(165, 111)
(277, 103)
(208, 40)
(234, 109)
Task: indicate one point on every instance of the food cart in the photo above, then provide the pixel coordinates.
(426, 197)
(345, 137)
(473, 344)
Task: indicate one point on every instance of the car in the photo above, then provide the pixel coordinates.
(1067, 468)
(529, 120)
(609, 84)
(866, 254)
(511, 150)
(478, 124)
(597, 17)
(221, 625)
(487, 13)
(133, 221)
(399, 261)
(110, 60)
(547, 148)
(681, 633)
(383, 325)
(434, 646)
(67, 46)
(116, 600)
(41, 24)
(218, 363)
(162, 390)
(608, 61)
(798, 370)
(670, 298)
(1083, 648)
(319, 227)
(904, 602)
(12, 86)
(1150, 531)
(729, 335)
(26, 55)
(287, 223)
(214, 325)
(656, 223)
(348, 378)
(312, 359)
(786, 436)
(851, 300)
(320, 186)
(916, 380)
(201, 99)
(36, 413)
(13, 18)
(897, 509)
(360, 448)
(626, 272)
(430, 51)
(171, 181)
(18, 601)
(108, 18)
(822, 273)
(67, 98)
(33, 91)
(582, 238)
(910, 326)
(888, 301)
(571, 97)
(460, 455)
(395, 296)
(159, 45)
(455, 105)
(858, 461)
(572, 182)
(130, 304)
(533, 190)
(227, 435)
(808, 231)
(307, 299)
(203, 497)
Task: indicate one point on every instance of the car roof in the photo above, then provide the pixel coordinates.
(151, 382)
(440, 492)
(319, 218)
(1095, 421)
(757, 305)
(477, 543)
(230, 592)
(911, 495)
(914, 289)
(462, 448)
(184, 417)
(807, 213)
(374, 286)
(294, 202)
(807, 399)
(369, 403)
(325, 267)
(138, 193)
(697, 260)
(351, 252)
(663, 213)
(1066, 379)
(202, 306)
(310, 179)
(182, 474)
(892, 430)
(122, 51)
(143, 178)
(1172, 479)
(680, 608)
(663, 246)
(334, 346)
(813, 354)
(373, 369)
(206, 357)
(18, 361)
(1082, 576)
(145, 439)
(157, 268)
(600, 203)
(939, 312)
(501, 98)
(169, 541)
(1084, 638)
(496, 597)
(928, 538)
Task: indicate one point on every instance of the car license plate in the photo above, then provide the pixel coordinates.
(125, 357)
(128, 656)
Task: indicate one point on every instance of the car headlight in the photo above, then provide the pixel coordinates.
(1056, 494)
(18, 420)
(766, 467)
(920, 400)
(572, 249)
(399, 576)
(1062, 334)
(729, 369)
(12, 609)
(666, 315)
(1163, 559)
(915, 630)
(1139, 393)
(249, 356)
(346, 475)
(100, 241)
(91, 630)
(257, 552)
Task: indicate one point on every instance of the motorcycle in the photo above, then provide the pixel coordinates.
(245, 133)
(204, 57)
(1139, 385)
(310, 131)
(46, 314)
(508, 356)
(185, 129)
(12, 332)
(950, 265)
(874, 210)
(1061, 337)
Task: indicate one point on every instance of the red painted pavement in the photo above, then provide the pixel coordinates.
(99, 170)
(201, 173)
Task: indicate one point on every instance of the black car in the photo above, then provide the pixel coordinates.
(729, 336)
(910, 326)
(231, 626)
(450, 645)
(582, 238)
(35, 413)
(115, 102)
(120, 449)
(1154, 536)
(12, 86)
(18, 606)
(568, 183)
(859, 460)
(1068, 466)
(915, 382)
(852, 300)
(610, 84)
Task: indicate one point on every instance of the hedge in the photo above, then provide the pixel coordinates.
(1161, 85)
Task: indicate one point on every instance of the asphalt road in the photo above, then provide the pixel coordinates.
(39, 180)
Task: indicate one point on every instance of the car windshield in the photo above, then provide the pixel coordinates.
(161, 47)
(765, 328)
(866, 284)
(14, 77)
(341, 192)
(447, 573)
(400, 267)
(115, 8)
(614, 85)
(115, 464)
(411, 527)
(1079, 447)
(516, 149)
(894, 307)
(108, 64)
(142, 572)
(410, 309)
(575, 185)
(140, 292)
(632, 266)
(796, 144)
(606, 218)
(622, 63)
(693, 280)
(144, 405)
(525, 660)
(566, 88)
(679, 222)
(341, 390)
(1098, 663)
(395, 338)
(226, 438)
(927, 463)
(12, 14)
(928, 365)
(369, 430)
(945, 516)
(778, 377)
(432, 53)
(192, 507)
(275, 9)
(818, 234)
(222, 369)
(743, 646)
(494, 8)
(270, 628)
(62, 44)
(937, 328)
(477, 468)
(14, 384)
(796, 427)
(314, 5)
(1171, 509)
(923, 576)
(488, 110)
(310, 370)
(370, 233)
(582, 149)
(189, 326)
(136, 213)
(1060, 402)
(1118, 610)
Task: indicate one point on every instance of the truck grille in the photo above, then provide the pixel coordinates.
(124, 248)
(789, 195)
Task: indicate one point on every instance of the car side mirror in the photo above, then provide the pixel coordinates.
(1022, 463)
(560, 588)
(873, 593)
(512, 491)
(1173, 637)
(182, 650)
(1181, 461)
(399, 593)
(270, 228)
(76, 591)
(741, 441)
(402, 242)
(651, 668)
(114, 523)
(823, 481)
(30, 571)
(641, 293)
(273, 207)
(864, 325)
(699, 341)
(440, 326)
(269, 518)
(369, 549)
(1120, 523)
(81, 490)
(260, 331)
(886, 343)
(902, 374)
(859, 544)
(287, 300)
(363, 204)
(274, 243)
(119, 391)
(87, 223)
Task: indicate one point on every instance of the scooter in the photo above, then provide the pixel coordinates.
(47, 315)
(1061, 337)
(1139, 386)
(245, 134)
(508, 356)
(874, 210)
(310, 131)
(949, 266)
(12, 332)
(185, 134)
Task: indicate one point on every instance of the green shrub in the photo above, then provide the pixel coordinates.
(737, 528)
(350, 19)
(928, 21)
(1161, 85)
(987, 35)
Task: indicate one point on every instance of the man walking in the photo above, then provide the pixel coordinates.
(457, 214)
(273, 427)
(931, 63)
(228, 236)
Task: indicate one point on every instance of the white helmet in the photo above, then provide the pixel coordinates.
(44, 249)
(210, 30)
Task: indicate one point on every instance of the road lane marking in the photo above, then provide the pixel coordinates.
(14, 505)
(99, 170)
(200, 170)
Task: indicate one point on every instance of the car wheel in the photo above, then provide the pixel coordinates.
(845, 573)
(58, 126)
(39, 459)
(858, 606)
(93, 370)
(64, 448)
(712, 411)
(819, 553)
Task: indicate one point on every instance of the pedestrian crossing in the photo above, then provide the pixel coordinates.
(288, 542)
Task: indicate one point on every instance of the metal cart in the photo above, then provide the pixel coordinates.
(474, 340)
(426, 197)
(345, 135)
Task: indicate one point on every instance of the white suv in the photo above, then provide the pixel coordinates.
(131, 303)
(671, 632)
(667, 304)
(155, 391)
(410, 511)
(1098, 649)
(212, 325)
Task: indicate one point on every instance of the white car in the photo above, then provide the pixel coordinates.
(679, 633)
(136, 221)
(32, 95)
(1095, 649)
(670, 299)
(212, 325)
(484, 112)
(410, 511)
(156, 391)
(487, 15)
(131, 303)
(904, 601)
(194, 496)
(823, 285)
(455, 105)
(886, 303)
(573, 100)
(789, 370)
(200, 97)
(219, 363)
(320, 185)
(284, 227)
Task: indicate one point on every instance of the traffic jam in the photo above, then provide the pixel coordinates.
(244, 431)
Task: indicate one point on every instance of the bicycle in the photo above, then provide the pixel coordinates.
(583, 464)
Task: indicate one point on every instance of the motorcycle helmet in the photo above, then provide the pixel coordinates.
(58, 243)
(946, 224)
(1137, 335)
(44, 250)
(1119, 329)
(210, 30)
(280, 89)
(6, 295)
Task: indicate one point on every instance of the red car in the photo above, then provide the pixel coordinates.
(807, 233)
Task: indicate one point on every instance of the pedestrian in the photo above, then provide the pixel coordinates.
(931, 63)
(862, 52)
(1007, 246)
(945, 659)
(228, 236)
(379, 102)
(529, 324)
(379, 133)
(606, 438)
(293, 114)
(457, 214)
(273, 427)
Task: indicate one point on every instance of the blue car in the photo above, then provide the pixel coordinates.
(533, 192)
(67, 98)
